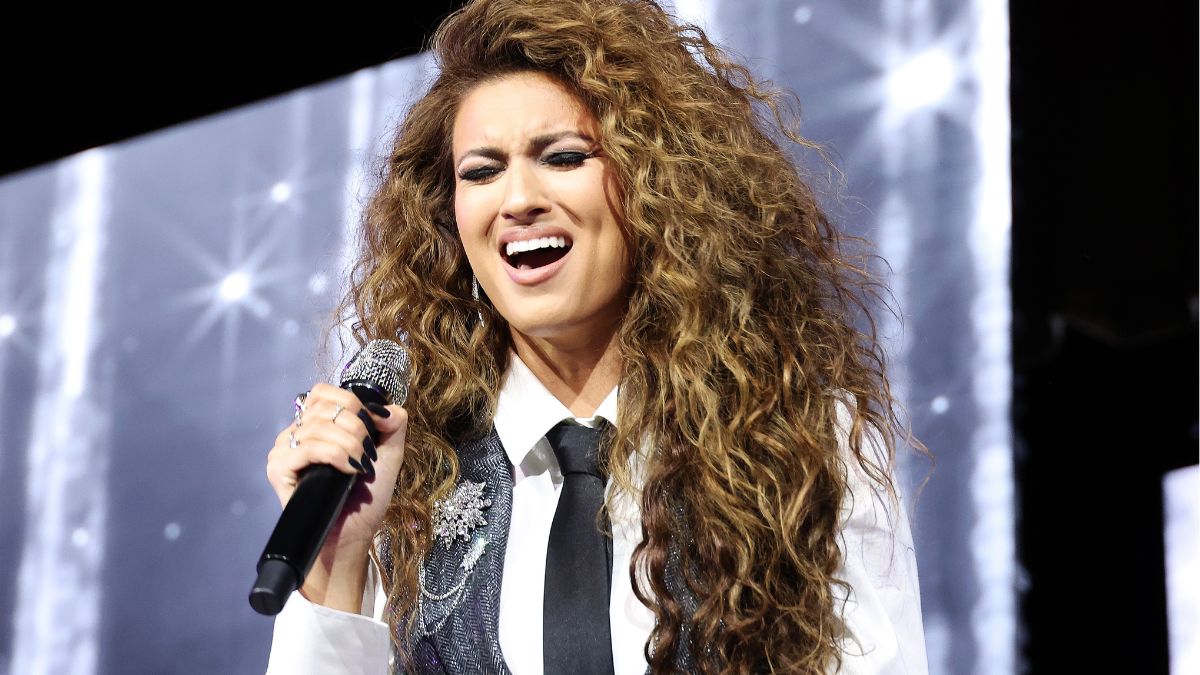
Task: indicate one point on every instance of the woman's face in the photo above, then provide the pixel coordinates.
(535, 209)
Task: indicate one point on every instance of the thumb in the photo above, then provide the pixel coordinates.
(393, 430)
(392, 423)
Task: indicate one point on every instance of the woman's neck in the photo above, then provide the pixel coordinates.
(579, 375)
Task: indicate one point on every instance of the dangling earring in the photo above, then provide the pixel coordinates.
(475, 294)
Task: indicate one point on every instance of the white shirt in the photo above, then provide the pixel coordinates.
(525, 412)
(883, 613)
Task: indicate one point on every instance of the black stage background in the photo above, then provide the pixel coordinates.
(1104, 259)
(1104, 319)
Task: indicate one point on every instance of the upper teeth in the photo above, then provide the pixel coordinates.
(533, 244)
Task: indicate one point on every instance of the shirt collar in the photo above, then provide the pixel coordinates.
(526, 410)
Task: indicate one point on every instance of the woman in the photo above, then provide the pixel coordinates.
(587, 219)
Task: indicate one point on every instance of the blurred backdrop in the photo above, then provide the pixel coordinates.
(164, 296)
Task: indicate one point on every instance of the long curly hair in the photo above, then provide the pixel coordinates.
(739, 344)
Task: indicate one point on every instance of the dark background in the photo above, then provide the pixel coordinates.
(1104, 258)
(1105, 344)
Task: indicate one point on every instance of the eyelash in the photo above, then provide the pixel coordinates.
(557, 160)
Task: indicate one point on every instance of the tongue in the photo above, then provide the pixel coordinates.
(538, 258)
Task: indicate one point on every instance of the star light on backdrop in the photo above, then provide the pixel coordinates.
(925, 80)
(916, 70)
(234, 287)
(237, 283)
(252, 276)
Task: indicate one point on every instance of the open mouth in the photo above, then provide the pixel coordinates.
(527, 255)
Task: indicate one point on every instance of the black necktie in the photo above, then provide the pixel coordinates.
(575, 632)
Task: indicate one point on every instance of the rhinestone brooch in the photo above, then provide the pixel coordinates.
(457, 515)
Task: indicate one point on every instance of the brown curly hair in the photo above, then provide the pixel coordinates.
(738, 345)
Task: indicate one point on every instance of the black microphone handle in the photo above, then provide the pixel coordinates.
(305, 524)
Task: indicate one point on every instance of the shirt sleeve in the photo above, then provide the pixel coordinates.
(882, 607)
(312, 639)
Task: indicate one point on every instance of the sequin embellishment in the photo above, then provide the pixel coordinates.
(457, 515)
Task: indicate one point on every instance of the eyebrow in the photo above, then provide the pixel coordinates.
(535, 145)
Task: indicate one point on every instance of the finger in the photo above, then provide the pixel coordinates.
(391, 448)
(351, 444)
(284, 437)
(285, 464)
(327, 393)
(329, 412)
(394, 422)
(285, 443)
(360, 426)
(315, 451)
(379, 410)
(369, 449)
(297, 445)
(368, 423)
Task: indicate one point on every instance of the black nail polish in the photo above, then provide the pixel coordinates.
(357, 467)
(379, 410)
(369, 449)
(368, 422)
(368, 467)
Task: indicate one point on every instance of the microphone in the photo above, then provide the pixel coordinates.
(377, 374)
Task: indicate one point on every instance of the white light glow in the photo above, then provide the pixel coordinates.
(698, 12)
(87, 211)
(281, 192)
(992, 538)
(1182, 522)
(234, 287)
(8, 325)
(803, 14)
(317, 283)
(56, 618)
(939, 405)
(923, 81)
(172, 531)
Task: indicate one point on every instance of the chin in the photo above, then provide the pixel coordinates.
(540, 327)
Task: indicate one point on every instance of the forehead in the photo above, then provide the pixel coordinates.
(508, 109)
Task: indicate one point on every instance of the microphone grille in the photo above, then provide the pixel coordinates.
(383, 365)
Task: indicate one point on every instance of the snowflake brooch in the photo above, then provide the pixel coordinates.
(460, 513)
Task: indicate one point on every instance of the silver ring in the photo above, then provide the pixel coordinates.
(293, 442)
(337, 411)
(299, 404)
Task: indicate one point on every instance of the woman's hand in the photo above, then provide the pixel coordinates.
(331, 432)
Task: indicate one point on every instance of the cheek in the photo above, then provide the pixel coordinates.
(461, 211)
(471, 227)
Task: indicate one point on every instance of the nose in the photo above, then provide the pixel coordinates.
(525, 194)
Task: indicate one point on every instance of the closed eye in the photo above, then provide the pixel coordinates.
(481, 173)
(567, 158)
